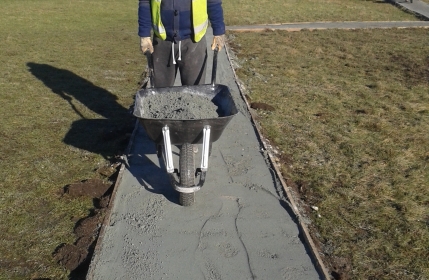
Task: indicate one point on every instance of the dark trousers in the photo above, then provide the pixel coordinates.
(192, 65)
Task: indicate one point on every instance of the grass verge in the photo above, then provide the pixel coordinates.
(243, 12)
(351, 119)
(69, 71)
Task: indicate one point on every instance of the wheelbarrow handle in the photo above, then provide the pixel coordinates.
(214, 68)
(149, 57)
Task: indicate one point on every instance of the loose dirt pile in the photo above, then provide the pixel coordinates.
(179, 106)
(76, 257)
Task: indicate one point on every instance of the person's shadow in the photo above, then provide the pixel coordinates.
(107, 135)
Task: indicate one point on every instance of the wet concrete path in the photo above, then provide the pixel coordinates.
(240, 227)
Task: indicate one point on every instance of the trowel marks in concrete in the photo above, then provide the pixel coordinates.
(238, 227)
(179, 106)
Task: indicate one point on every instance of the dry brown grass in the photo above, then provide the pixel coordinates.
(69, 71)
(243, 12)
(351, 120)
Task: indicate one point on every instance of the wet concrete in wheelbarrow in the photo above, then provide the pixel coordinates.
(179, 106)
(240, 226)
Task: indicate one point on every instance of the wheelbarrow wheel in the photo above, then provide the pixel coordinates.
(187, 171)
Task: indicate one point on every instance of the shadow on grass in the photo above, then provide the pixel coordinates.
(107, 136)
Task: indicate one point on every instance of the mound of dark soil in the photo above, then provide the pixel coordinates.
(76, 257)
(94, 188)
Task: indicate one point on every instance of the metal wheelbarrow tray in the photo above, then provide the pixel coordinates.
(187, 132)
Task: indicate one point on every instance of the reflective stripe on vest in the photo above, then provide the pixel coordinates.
(158, 27)
(200, 20)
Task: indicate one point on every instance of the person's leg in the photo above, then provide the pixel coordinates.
(164, 69)
(192, 65)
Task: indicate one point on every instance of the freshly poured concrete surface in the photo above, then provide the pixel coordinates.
(239, 228)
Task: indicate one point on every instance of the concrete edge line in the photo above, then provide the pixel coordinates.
(303, 228)
(336, 22)
(257, 29)
(328, 25)
(98, 246)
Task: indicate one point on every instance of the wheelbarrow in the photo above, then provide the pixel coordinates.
(185, 133)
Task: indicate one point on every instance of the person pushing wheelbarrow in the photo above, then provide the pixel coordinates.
(179, 41)
(179, 44)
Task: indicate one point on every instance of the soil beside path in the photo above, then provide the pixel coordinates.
(240, 227)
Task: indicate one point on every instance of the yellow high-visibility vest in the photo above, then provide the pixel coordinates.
(200, 19)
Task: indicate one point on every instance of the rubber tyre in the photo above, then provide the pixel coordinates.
(187, 171)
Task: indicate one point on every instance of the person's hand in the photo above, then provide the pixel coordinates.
(218, 41)
(146, 44)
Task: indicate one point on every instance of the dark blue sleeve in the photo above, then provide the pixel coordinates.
(144, 18)
(215, 12)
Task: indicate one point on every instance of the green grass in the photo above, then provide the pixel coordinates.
(351, 119)
(242, 12)
(69, 71)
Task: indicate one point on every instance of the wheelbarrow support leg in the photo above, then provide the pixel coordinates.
(206, 148)
(167, 150)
